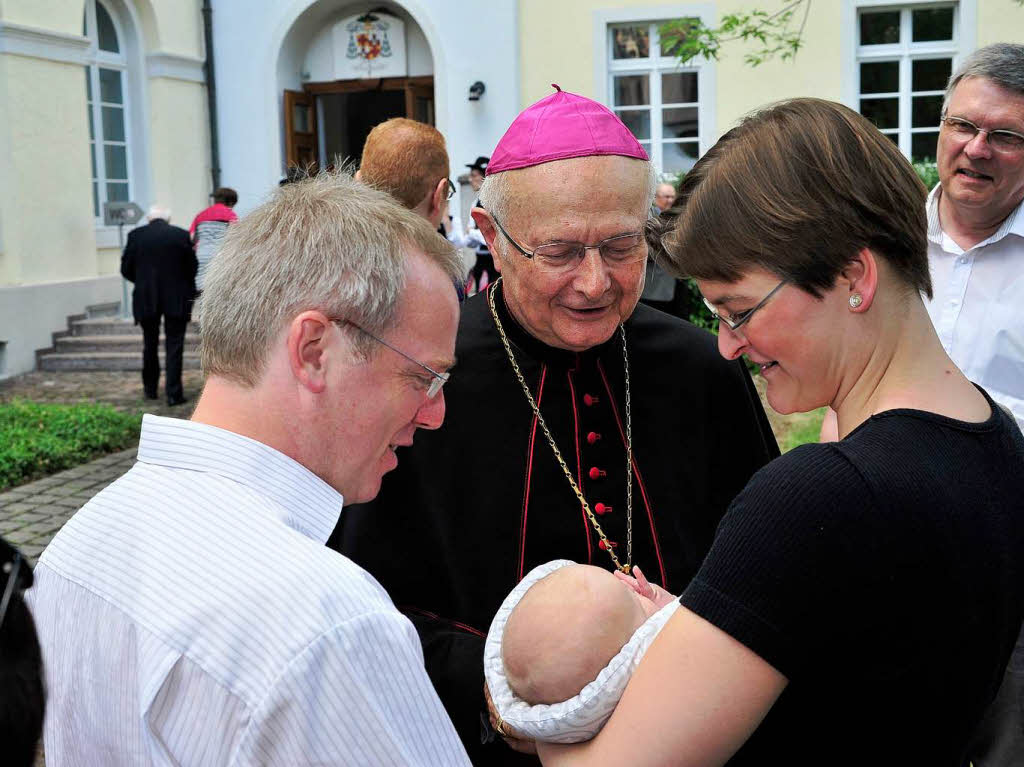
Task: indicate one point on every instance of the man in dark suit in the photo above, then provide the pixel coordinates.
(160, 261)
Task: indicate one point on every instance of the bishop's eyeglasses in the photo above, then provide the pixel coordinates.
(561, 257)
(439, 379)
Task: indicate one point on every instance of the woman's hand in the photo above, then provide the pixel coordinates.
(514, 740)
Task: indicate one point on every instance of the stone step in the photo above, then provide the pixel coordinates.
(111, 309)
(112, 326)
(106, 361)
(112, 343)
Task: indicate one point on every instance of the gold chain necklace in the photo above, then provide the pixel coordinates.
(558, 454)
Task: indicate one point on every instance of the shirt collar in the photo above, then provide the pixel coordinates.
(301, 500)
(1012, 224)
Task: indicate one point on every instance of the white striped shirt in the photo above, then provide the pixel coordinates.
(190, 614)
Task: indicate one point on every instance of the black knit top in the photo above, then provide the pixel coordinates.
(883, 575)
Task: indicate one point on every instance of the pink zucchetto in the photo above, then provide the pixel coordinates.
(560, 126)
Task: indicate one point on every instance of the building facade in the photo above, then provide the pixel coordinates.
(107, 101)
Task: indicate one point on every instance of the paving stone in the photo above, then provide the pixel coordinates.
(68, 502)
(78, 483)
(44, 497)
(13, 509)
(61, 490)
(28, 517)
(75, 473)
(50, 525)
(32, 551)
(18, 537)
(46, 482)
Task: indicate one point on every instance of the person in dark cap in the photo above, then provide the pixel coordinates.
(614, 434)
(483, 272)
(22, 694)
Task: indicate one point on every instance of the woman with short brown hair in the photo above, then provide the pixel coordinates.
(861, 598)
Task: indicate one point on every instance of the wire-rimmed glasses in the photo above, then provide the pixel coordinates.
(439, 379)
(1000, 139)
(615, 251)
(738, 320)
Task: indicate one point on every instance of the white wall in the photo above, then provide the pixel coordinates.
(29, 314)
(261, 46)
(319, 62)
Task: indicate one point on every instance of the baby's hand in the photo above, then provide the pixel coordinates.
(639, 583)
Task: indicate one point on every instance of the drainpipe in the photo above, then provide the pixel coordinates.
(211, 93)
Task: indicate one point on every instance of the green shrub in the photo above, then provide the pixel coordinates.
(694, 308)
(803, 428)
(38, 439)
(928, 172)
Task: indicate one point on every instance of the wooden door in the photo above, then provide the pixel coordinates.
(419, 99)
(300, 130)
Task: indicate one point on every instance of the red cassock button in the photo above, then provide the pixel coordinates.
(601, 545)
(593, 437)
(590, 399)
(596, 473)
(600, 508)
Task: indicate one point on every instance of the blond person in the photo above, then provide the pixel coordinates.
(190, 613)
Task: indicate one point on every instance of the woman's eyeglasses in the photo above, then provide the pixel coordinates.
(736, 321)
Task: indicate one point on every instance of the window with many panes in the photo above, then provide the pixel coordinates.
(105, 89)
(904, 59)
(658, 100)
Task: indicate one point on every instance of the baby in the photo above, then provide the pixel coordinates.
(569, 625)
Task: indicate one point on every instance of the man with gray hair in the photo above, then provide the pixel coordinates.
(159, 259)
(976, 254)
(190, 613)
(581, 425)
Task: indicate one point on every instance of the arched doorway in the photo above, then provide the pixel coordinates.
(356, 70)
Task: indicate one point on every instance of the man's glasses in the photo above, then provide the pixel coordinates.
(438, 380)
(736, 321)
(451, 189)
(1000, 139)
(563, 257)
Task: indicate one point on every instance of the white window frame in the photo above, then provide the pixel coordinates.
(134, 89)
(119, 62)
(605, 68)
(963, 42)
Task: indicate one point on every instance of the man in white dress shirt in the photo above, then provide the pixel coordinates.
(976, 224)
(190, 614)
(976, 253)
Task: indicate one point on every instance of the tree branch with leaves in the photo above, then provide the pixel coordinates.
(777, 35)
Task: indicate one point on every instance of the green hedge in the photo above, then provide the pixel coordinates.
(38, 439)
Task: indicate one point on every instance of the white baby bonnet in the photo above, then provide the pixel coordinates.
(582, 716)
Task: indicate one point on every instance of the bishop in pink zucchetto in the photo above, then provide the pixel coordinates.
(561, 126)
(581, 423)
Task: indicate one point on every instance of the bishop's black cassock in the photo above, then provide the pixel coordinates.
(475, 505)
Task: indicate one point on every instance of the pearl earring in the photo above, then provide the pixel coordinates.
(856, 300)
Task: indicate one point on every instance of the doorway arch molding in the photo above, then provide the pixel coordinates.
(419, 13)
